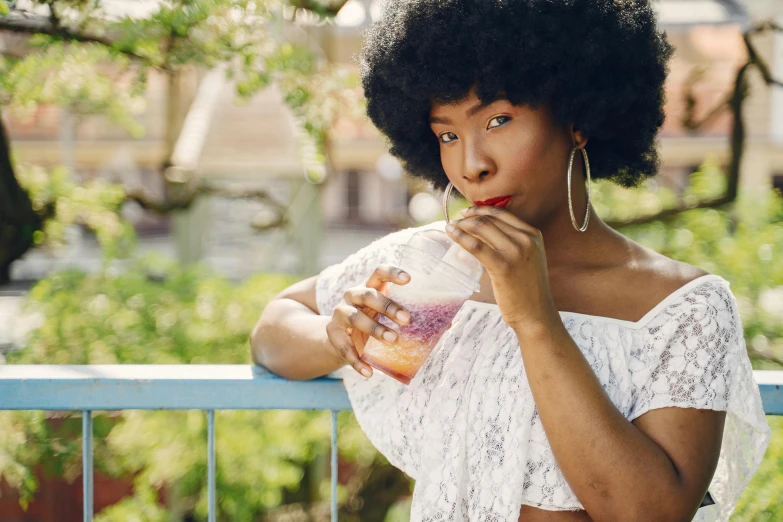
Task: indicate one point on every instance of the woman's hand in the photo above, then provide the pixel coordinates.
(513, 255)
(353, 320)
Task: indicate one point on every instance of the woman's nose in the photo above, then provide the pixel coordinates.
(477, 164)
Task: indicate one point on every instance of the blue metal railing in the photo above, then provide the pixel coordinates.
(200, 387)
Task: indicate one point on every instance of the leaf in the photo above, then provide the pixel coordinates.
(4, 11)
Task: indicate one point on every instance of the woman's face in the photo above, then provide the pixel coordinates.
(504, 149)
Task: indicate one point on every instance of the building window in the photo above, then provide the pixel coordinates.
(353, 195)
(777, 182)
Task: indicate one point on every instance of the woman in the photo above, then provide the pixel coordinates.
(590, 378)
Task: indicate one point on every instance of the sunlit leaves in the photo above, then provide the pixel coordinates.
(64, 202)
(760, 501)
(155, 312)
(86, 78)
(108, 76)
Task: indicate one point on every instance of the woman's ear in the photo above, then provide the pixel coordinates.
(578, 137)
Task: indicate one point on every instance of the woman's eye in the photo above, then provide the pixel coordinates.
(501, 119)
(447, 134)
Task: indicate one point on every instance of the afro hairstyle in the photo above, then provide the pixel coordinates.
(599, 64)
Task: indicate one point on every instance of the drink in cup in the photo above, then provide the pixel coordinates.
(443, 276)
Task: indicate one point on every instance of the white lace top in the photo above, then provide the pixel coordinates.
(466, 428)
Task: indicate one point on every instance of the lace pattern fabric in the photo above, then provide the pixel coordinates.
(467, 430)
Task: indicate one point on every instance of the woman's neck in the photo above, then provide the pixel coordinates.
(599, 246)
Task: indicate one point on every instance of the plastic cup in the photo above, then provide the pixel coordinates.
(443, 277)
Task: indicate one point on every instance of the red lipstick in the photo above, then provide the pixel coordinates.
(500, 201)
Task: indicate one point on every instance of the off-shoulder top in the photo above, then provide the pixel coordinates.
(466, 428)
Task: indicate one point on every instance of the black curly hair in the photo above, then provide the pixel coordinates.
(599, 64)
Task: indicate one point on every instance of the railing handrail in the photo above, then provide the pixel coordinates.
(203, 387)
(163, 387)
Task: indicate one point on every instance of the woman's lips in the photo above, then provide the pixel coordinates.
(500, 201)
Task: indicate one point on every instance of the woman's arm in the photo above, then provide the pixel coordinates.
(656, 468)
(290, 337)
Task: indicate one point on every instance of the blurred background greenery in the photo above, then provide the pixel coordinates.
(166, 297)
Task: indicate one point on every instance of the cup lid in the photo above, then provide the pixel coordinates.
(440, 246)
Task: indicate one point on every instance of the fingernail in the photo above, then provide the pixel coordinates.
(404, 276)
(389, 336)
(464, 211)
(450, 227)
(403, 316)
(366, 372)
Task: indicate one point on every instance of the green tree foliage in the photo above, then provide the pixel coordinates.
(762, 501)
(95, 204)
(740, 243)
(87, 78)
(94, 58)
(95, 61)
(153, 311)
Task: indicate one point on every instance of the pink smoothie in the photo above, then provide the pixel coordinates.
(430, 318)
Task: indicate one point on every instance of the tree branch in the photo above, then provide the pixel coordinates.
(18, 219)
(671, 212)
(25, 22)
(766, 355)
(53, 14)
(769, 25)
(149, 201)
(734, 101)
(688, 121)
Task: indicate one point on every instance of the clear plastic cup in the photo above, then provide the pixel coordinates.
(443, 276)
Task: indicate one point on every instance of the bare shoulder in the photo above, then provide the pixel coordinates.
(664, 272)
(659, 271)
(652, 277)
(626, 291)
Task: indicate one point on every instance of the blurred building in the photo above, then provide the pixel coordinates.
(709, 34)
(704, 32)
(367, 194)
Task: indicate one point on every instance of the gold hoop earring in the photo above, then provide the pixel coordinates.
(570, 203)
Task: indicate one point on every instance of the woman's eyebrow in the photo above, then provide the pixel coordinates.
(470, 112)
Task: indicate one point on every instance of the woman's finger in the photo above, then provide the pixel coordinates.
(350, 316)
(482, 250)
(510, 230)
(344, 345)
(503, 215)
(375, 300)
(488, 230)
(387, 274)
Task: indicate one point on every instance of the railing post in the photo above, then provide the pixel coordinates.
(87, 468)
(212, 514)
(334, 466)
